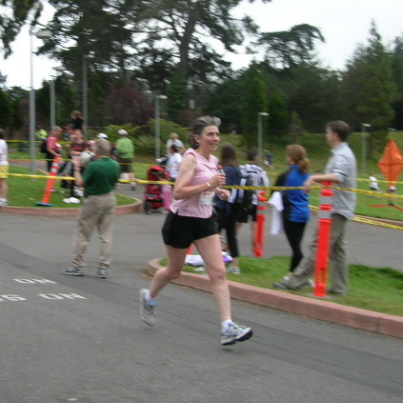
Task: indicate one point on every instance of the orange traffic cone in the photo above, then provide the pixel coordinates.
(49, 185)
(322, 253)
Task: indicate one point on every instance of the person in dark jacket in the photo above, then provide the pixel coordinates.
(229, 211)
(295, 214)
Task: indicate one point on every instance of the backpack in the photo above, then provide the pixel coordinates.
(43, 148)
(245, 196)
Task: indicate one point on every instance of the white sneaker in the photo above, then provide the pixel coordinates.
(235, 333)
(147, 309)
(234, 270)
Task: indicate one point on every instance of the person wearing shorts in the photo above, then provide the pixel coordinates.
(191, 220)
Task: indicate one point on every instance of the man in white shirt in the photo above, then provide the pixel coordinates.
(174, 139)
(173, 163)
(3, 170)
(258, 177)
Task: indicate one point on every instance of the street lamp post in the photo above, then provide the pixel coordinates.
(149, 96)
(42, 34)
(260, 136)
(85, 92)
(85, 95)
(52, 104)
(157, 124)
(53, 99)
(364, 146)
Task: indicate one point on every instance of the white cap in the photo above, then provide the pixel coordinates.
(102, 136)
(122, 132)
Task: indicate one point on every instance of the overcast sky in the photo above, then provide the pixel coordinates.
(343, 23)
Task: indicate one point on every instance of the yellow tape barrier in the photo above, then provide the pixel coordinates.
(267, 189)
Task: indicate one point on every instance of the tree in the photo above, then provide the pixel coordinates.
(371, 90)
(124, 34)
(42, 101)
(5, 110)
(19, 109)
(279, 117)
(314, 93)
(255, 101)
(186, 25)
(177, 94)
(397, 69)
(296, 129)
(289, 48)
(226, 101)
(13, 16)
(96, 115)
(126, 104)
(65, 99)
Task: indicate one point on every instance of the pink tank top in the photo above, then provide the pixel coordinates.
(199, 205)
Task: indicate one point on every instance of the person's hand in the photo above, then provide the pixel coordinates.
(217, 180)
(77, 162)
(223, 194)
(308, 184)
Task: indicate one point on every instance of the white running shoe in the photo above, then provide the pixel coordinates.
(147, 309)
(235, 333)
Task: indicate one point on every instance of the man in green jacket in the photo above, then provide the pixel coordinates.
(125, 150)
(98, 210)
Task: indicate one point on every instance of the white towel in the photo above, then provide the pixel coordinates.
(197, 260)
(276, 201)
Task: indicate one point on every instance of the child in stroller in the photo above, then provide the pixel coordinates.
(153, 197)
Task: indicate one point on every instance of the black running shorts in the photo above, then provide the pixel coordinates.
(180, 231)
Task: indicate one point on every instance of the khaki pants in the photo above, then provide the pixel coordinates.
(96, 211)
(337, 257)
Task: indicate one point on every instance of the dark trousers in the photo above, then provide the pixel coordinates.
(228, 222)
(294, 232)
(49, 161)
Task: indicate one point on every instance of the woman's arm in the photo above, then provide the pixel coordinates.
(314, 179)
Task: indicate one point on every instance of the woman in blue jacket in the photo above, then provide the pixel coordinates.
(296, 210)
(229, 211)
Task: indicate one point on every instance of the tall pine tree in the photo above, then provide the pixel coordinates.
(255, 102)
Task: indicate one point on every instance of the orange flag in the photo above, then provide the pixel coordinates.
(391, 163)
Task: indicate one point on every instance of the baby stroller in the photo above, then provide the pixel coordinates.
(153, 198)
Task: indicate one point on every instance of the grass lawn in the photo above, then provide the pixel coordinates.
(25, 192)
(379, 290)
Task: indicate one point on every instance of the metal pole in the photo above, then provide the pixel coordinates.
(52, 105)
(32, 110)
(259, 138)
(85, 96)
(157, 127)
(364, 146)
(363, 149)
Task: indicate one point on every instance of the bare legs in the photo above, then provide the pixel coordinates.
(210, 250)
(3, 189)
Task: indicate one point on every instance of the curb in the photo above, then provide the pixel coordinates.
(376, 322)
(67, 212)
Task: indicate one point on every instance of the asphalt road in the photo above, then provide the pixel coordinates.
(68, 339)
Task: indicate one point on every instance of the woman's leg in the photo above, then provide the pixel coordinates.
(294, 232)
(210, 250)
(176, 259)
(231, 237)
(3, 189)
